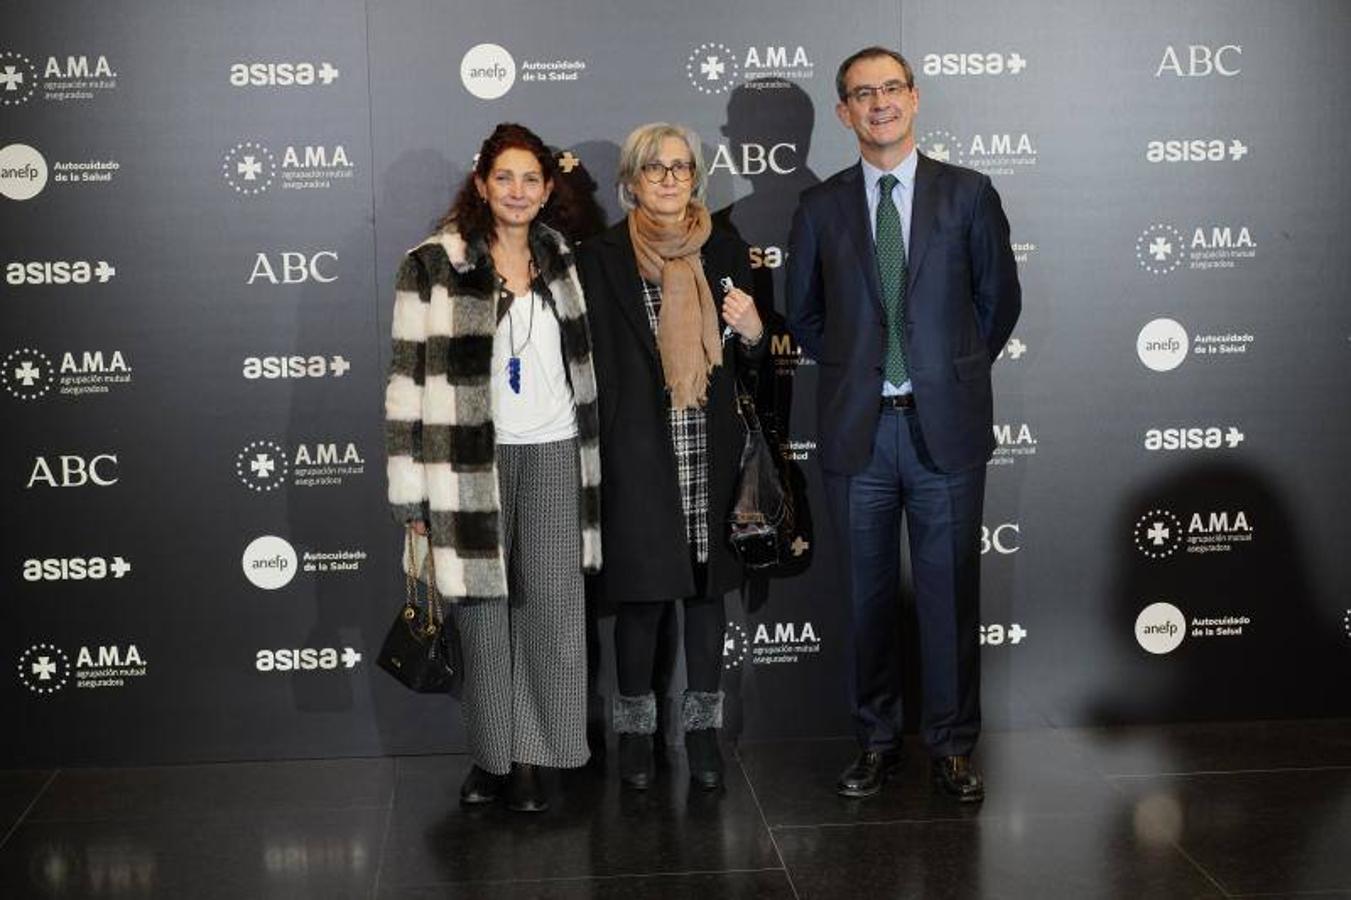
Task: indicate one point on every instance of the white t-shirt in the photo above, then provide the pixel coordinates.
(542, 411)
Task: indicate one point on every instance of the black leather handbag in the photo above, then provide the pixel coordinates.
(762, 523)
(422, 648)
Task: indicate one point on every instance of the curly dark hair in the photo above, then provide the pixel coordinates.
(470, 215)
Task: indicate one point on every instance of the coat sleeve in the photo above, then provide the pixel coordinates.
(404, 392)
(805, 294)
(750, 360)
(998, 296)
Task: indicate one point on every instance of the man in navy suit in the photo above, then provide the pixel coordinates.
(902, 285)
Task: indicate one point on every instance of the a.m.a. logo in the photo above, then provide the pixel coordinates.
(783, 642)
(108, 665)
(1014, 441)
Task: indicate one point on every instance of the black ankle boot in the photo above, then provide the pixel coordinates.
(705, 758)
(525, 789)
(635, 760)
(480, 787)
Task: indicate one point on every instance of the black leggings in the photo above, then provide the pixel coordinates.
(638, 627)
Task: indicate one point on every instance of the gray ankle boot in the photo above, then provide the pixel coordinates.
(701, 717)
(635, 718)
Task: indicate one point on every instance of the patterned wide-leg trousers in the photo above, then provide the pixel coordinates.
(524, 694)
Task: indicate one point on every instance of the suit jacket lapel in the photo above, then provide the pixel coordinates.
(853, 203)
(621, 267)
(923, 208)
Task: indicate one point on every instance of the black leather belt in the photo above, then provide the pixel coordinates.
(899, 401)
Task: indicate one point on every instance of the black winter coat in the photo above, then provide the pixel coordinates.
(647, 556)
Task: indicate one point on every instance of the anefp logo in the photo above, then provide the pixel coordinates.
(1160, 628)
(1162, 345)
(23, 172)
(488, 71)
(269, 562)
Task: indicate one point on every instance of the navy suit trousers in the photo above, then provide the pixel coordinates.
(943, 520)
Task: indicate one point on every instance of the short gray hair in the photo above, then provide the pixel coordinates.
(643, 145)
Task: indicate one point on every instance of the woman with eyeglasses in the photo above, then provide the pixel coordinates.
(672, 328)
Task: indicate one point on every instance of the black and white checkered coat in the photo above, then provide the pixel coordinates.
(438, 405)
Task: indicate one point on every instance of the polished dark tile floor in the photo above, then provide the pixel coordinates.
(1216, 810)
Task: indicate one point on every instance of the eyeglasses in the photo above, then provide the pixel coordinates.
(865, 93)
(655, 172)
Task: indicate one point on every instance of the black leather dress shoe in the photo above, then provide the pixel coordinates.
(525, 789)
(480, 787)
(954, 776)
(866, 775)
(635, 760)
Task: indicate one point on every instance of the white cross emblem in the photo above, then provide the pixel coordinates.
(104, 271)
(712, 67)
(11, 78)
(27, 373)
(44, 668)
(567, 162)
(262, 465)
(1157, 533)
(338, 366)
(327, 73)
(250, 168)
(1160, 249)
(940, 152)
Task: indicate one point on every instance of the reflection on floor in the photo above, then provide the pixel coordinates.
(1229, 810)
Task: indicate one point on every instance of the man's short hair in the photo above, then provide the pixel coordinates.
(871, 53)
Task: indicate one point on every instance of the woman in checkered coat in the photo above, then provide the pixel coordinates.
(491, 424)
(670, 338)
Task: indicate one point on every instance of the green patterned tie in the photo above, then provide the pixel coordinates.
(891, 268)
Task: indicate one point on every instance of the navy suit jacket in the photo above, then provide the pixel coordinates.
(962, 300)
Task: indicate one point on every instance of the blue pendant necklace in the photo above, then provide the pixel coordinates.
(514, 361)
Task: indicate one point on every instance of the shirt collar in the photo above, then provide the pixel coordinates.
(904, 172)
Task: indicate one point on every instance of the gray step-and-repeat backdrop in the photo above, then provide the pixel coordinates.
(201, 210)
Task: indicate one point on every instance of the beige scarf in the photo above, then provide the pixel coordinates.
(687, 328)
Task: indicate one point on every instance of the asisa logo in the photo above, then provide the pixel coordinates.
(75, 568)
(1195, 150)
(282, 74)
(1200, 437)
(993, 63)
(271, 368)
(306, 659)
(59, 272)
